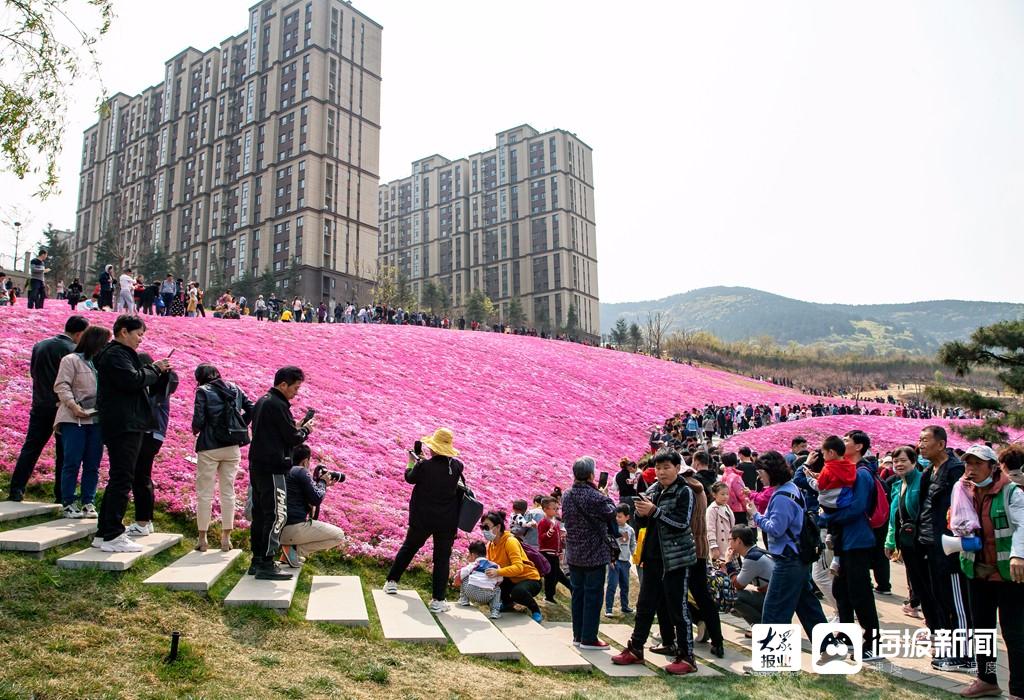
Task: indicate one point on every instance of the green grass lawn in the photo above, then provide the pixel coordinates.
(90, 634)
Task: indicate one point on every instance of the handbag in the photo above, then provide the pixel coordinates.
(906, 536)
(470, 509)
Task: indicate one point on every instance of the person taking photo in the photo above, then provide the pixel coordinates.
(304, 532)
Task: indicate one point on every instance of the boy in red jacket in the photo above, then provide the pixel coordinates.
(551, 541)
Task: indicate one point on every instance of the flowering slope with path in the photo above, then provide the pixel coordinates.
(521, 408)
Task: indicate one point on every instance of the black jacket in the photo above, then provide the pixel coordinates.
(274, 434)
(304, 494)
(106, 282)
(160, 402)
(122, 393)
(46, 357)
(208, 405)
(672, 519)
(936, 494)
(435, 501)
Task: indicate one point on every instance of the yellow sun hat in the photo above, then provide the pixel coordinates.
(440, 443)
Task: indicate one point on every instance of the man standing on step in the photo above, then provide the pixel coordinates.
(122, 401)
(274, 436)
(46, 357)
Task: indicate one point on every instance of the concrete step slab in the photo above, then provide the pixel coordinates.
(95, 558)
(15, 510)
(601, 660)
(539, 645)
(620, 634)
(196, 571)
(39, 538)
(405, 618)
(337, 599)
(474, 635)
(276, 595)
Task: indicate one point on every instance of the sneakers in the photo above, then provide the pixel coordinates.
(609, 613)
(981, 689)
(626, 657)
(290, 556)
(495, 614)
(883, 591)
(391, 587)
(464, 602)
(17, 495)
(268, 570)
(537, 617)
(628, 611)
(439, 606)
(911, 611)
(121, 543)
(73, 511)
(97, 542)
(136, 530)
(596, 645)
(89, 511)
(680, 667)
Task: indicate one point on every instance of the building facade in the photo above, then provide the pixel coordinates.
(516, 221)
(259, 154)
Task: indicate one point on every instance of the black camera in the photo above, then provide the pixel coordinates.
(322, 472)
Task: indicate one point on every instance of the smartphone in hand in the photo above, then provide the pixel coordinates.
(602, 481)
(308, 417)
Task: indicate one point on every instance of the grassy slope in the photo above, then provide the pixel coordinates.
(91, 634)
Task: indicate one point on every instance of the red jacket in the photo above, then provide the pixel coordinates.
(549, 536)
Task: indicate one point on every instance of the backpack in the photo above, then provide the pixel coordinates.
(229, 427)
(537, 559)
(878, 504)
(721, 589)
(809, 545)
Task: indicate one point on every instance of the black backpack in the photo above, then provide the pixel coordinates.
(229, 426)
(809, 544)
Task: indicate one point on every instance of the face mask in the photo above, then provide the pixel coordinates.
(982, 484)
(489, 535)
(1017, 477)
(925, 463)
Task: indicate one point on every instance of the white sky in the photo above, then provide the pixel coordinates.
(755, 144)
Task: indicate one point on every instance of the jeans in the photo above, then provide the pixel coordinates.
(698, 587)
(83, 449)
(587, 586)
(663, 592)
(40, 428)
(123, 453)
(524, 593)
(269, 514)
(790, 591)
(852, 589)
(142, 486)
(555, 576)
(1004, 597)
(618, 576)
(415, 538)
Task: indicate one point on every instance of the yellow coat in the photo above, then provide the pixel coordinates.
(508, 554)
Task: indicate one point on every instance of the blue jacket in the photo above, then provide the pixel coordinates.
(783, 520)
(853, 519)
(809, 494)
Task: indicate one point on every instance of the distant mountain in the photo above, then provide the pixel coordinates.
(739, 313)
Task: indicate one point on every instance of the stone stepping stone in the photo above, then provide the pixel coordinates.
(276, 595)
(474, 635)
(405, 618)
(542, 647)
(620, 634)
(196, 571)
(337, 599)
(95, 558)
(15, 510)
(601, 660)
(39, 538)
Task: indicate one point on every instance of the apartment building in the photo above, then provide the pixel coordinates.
(513, 221)
(261, 153)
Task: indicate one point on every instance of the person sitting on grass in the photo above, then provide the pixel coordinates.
(474, 583)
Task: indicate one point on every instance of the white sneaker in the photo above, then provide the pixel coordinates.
(390, 587)
(495, 614)
(439, 606)
(73, 511)
(97, 542)
(464, 602)
(136, 530)
(122, 543)
(89, 511)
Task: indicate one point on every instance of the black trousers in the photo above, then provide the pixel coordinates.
(123, 453)
(665, 591)
(950, 594)
(142, 486)
(415, 538)
(697, 580)
(40, 428)
(168, 299)
(749, 605)
(880, 562)
(916, 564)
(36, 294)
(524, 593)
(1006, 599)
(555, 576)
(853, 594)
(269, 514)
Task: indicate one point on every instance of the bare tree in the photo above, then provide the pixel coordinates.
(655, 330)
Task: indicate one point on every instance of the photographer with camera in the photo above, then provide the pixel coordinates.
(304, 533)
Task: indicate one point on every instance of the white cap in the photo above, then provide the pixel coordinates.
(983, 452)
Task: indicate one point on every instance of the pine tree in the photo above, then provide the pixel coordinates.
(620, 333)
(155, 263)
(636, 337)
(516, 315)
(1001, 347)
(572, 320)
(479, 307)
(267, 284)
(59, 256)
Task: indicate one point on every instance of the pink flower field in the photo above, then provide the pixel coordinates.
(521, 408)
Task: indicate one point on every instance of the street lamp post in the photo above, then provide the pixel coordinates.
(17, 244)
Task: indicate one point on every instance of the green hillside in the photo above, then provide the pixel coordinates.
(739, 313)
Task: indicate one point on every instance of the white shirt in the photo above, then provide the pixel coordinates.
(127, 283)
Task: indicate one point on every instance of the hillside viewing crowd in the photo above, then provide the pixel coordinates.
(764, 536)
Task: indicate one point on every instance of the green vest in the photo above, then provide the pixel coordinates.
(1004, 537)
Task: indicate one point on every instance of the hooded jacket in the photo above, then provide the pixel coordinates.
(122, 391)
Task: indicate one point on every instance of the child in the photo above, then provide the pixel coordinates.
(551, 542)
(475, 585)
(532, 520)
(618, 571)
(834, 484)
(720, 521)
(517, 523)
